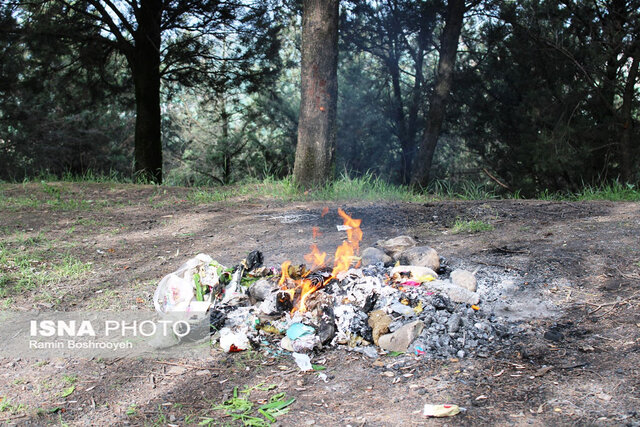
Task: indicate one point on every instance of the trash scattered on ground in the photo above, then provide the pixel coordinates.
(374, 308)
(303, 361)
(440, 410)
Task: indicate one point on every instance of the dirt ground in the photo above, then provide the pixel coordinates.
(583, 258)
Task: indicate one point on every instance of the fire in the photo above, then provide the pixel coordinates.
(315, 257)
(342, 261)
(349, 248)
(285, 273)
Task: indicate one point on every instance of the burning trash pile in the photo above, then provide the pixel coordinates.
(396, 297)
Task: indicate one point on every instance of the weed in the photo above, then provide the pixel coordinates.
(70, 379)
(7, 406)
(161, 419)
(470, 226)
(67, 391)
(615, 191)
(27, 270)
(240, 408)
(132, 410)
(467, 190)
(62, 422)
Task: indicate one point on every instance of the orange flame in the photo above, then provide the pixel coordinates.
(315, 257)
(343, 259)
(285, 273)
(307, 289)
(351, 247)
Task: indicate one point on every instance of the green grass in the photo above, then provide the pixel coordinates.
(613, 191)
(470, 226)
(6, 405)
(240, 408)
(55, 195)
(467, 190)
(70, 379)
(345, 188)
(25, 270)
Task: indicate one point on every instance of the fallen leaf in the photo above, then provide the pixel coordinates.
(67, 391)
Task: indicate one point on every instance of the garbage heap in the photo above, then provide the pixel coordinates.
(394, 297)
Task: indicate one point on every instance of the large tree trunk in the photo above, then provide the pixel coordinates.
(319, 86)
(438, 101)
(145, 66)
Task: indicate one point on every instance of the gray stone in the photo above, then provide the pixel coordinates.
(423, 256)
(396, 245)
(261, 289)
(464, 279)
(401, 339)
(373, 255)
(453, 325)
(455, 293)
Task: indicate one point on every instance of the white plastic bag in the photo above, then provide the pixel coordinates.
(175, 292)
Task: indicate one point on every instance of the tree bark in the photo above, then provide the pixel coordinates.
(439, 98)
(145, 65)
(319, 86)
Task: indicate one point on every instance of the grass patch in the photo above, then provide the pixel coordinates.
(366, 187)
(6, 405)
(22, 270)
(53, 192)
(466, 190)
(470, 226)
(614, 191)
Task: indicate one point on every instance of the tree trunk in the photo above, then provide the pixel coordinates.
(398, 117)
(319, 86)
(145, 66)
(626, 145)
(438, 101)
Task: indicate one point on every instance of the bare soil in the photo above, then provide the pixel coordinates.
(584, 258)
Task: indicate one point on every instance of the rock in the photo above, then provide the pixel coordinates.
(372, 256)
(379, 322)
(414, 271)
(422, 256)
(401, 339)
(370, 351)
(464, 279)
(455, 293)
(261, 289)
(396, 245)
(453, 325)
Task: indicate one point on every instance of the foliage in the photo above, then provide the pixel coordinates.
(544, 99)
(470, 226)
